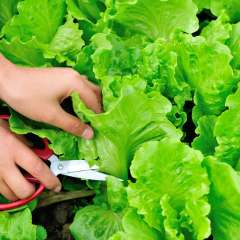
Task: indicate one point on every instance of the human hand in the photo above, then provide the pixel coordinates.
(15, 153)
(38, 92)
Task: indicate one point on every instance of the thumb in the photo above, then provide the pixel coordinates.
(70, 123)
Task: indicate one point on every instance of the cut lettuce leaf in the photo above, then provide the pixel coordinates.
(153, 18)
(39, 19)
(224, 199)
(118, 128)
(171, 171)
(119, 132)
(18, 226)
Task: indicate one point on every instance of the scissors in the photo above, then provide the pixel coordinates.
(72, 168)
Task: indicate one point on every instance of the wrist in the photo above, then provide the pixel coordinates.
(6, 68)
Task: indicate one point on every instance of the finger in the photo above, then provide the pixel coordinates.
(96, 90)
(17, 183)
(94, 87)
(38, 169)
(88, 96)
(70, 123)
(24, 140)
(7, 192)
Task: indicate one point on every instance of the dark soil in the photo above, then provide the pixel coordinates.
(56, 219)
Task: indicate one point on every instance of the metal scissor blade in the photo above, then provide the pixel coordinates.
(90, 175)
(69, 166)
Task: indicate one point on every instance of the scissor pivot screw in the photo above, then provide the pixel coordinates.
(60, 166)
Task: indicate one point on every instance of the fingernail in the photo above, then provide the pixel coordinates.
(87, 133)
(57, 189)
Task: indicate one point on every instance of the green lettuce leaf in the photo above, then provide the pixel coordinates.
(84, 64)
(8, 10)
(67, 43)
(234, 44)
(155, 63)
(28, 53)
(171, 224)
(170, 188)
(89, 15)
(206, 141)
(123, 131)
(36, 18)
(232, 8)
(116, 195)
(94, 222)
(99, 222)
(197, 59)
(135, 228)
(153, 18)
(218, 30)
(89, 10)
(224, 198)
(202, 4)
(62, 143)
(227, 129)
(41, 233)
(18, 226)
(114, 65)
(158, 68)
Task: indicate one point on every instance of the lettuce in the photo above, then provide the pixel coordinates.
(123, 131)
(28, 53)
(32, 18)
(197, 58)
(170, 203)
(232, 8)
(206, 141)
(66, 43)
(169, 71)
(228, 149)
(8, 10)
(152, 18)
(132, 222)
(87, 220)
(19, 226)
(224, 201)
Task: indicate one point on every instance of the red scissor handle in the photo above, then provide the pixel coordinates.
(44, 153)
